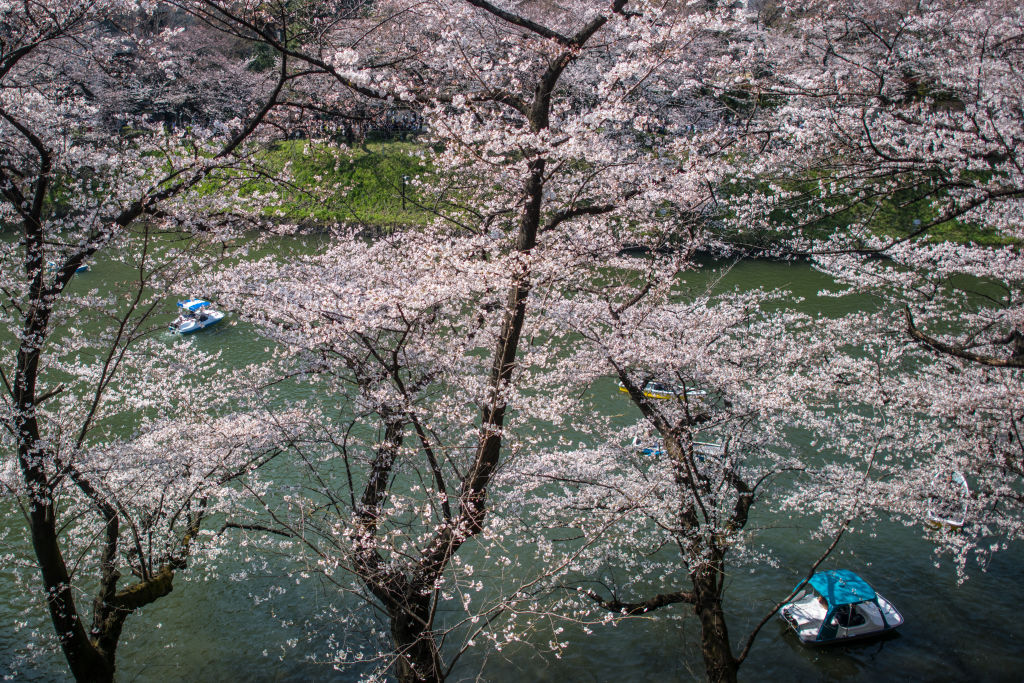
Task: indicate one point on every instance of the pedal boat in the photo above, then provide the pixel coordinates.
(52, 267)
(837, 606)
(949, 509)
(666, 390)
(701, 449)
(196, 314)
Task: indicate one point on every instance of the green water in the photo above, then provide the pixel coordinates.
(213, 630)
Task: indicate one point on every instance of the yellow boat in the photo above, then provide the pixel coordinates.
(665, 390)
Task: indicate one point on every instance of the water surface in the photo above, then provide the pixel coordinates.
(212, 629)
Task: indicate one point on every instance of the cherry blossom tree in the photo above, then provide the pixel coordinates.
(452, 344)
(890, 113)
(117, 447)
(736, 376)
(551, 155)
(895, 131)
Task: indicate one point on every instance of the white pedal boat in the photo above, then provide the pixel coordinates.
(701, 449)
(196, 314)
(949, 507)
(838, 606)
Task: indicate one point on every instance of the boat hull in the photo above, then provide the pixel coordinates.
(190, 325)
(859, 638)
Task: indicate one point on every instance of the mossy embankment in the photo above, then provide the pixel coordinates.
(371, 184)
(374, 185)
(820, 208)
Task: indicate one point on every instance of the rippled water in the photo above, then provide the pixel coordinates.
(213, 630)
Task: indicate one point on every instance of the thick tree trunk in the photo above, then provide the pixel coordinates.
(86, 661)
(90, 654)
(719, 662)
(418, 658)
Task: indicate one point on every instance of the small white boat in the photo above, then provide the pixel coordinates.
(666, 390)
(701, 449)
(52, 267)
(195, 315)
(838, 606)
(948, 507)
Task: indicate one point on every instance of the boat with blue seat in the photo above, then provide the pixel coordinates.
(196, 314)
(838, 606)
(701, 449)
(52, 267)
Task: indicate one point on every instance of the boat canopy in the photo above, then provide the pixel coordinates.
(842, 587)
(193, 304)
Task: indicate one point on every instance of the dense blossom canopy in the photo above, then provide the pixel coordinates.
(450, 469)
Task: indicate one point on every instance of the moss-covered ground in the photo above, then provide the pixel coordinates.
(373, 184)
(363, 184)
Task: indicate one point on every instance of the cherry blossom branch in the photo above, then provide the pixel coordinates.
(576, 212)
(957, 351)
(634, 608)
(256, 120)
(524, 22)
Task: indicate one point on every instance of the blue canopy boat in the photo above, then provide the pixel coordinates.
(195, 315)
(838, 606)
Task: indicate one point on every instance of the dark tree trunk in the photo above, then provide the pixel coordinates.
(86, 661)
(418, 658)
(719, 662)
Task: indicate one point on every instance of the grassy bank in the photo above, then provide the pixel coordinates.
(359, 185)
(818, 209)
(364, 185)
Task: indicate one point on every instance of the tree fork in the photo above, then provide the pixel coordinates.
(418, 658)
